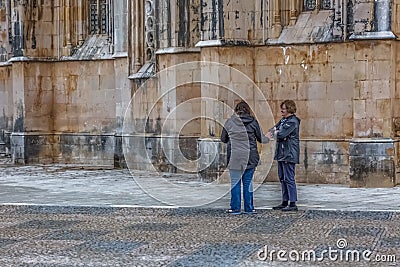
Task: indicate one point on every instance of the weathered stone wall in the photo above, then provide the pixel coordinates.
(177, 23)
(246, 22)
(38, 96)
(397, 160)
(65, 112)
(338, 62)
(6, 109)
(38, 24)
(162, 123)
(6, 98)
(85, 104)
(395, 15)
(395, 104)
(341, 90)
(372, 163)
(85, 94)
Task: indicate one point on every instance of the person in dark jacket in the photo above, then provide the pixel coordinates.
(241, 133)
(287, 153)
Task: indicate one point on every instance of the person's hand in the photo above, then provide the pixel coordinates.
(269, 135)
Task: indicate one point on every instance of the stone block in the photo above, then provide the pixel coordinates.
(266, 89)
(328, 127)
(340, 53)
(348, 127)
(320, 109)
(370, 108)
(383, 51)
(319, 72)
(340, 90)
(268, 74)
(343, 109)
(318, 54)
(284, 91)
(312, 91)
(359, 107)
(383, 108)
(107, 82)
(360, 70)
(272, 56)
(380, 70)
(364, 89)
(343, 72)
(292, 73)
(381, 89)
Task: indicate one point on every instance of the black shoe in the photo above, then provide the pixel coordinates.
(279, 207)
(234, 212)
(290, 208)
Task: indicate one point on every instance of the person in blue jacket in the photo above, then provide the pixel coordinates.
(287, 153)
(241, 133)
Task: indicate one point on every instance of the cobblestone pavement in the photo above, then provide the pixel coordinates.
(57, 216)
(110, 236)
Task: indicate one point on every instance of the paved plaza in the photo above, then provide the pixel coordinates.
(54, 215)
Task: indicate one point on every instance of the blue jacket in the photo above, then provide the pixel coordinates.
(287, 140)
(242, 133)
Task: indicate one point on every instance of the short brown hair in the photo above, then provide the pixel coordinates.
(290, 106)
(242, 108)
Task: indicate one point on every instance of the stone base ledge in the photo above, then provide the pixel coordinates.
(372, 162)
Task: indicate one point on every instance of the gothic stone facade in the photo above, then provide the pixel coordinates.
(70, 68)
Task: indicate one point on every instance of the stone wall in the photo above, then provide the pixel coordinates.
(73, 97)
(6, 99)
(65, 112)
(342, 92)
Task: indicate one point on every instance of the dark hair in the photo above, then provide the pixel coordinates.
(242, 108)
(290, 106)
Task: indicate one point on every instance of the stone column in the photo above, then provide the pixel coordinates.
(338, 21)
(81, 22)
(5, 31)
(372, 148)
(122, 33)
(18, 134)
(293, 13)
(17, 21)
(137, 43)
(377, 26)
(67, 28)
(382, 15)
(277, 26)
(120, 28)
(212, 20)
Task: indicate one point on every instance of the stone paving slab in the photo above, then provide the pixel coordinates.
(84, 186)
(111, 236)
(55, 215)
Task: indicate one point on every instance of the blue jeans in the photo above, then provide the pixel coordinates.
(286, 172)
(238, 177)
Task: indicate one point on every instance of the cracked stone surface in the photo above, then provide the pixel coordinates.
(87, 186)
(56, 216)
(98, 236)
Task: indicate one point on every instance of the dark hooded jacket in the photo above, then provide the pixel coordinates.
(242, 133)
(287, 140)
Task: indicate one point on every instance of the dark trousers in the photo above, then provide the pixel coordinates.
(286, 172)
